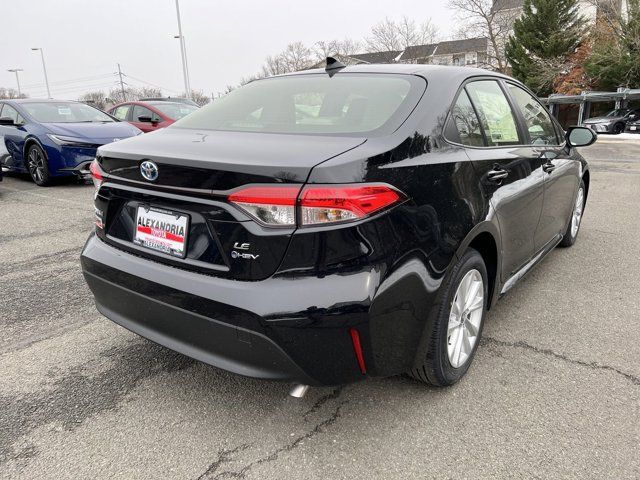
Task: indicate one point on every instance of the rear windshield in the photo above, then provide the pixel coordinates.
(347, 104)
(174, 110)
(65, 112)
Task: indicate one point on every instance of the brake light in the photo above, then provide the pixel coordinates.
(274, 206)
(317, 204)
(96, 174)
(330, 204)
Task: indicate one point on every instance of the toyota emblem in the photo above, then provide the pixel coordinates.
(149, 170)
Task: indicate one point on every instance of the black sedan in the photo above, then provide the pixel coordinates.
(331, 225)
(614, 121)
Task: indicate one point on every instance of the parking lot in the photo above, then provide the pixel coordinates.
(554, 391)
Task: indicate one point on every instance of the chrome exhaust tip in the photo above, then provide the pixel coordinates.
(299, 391)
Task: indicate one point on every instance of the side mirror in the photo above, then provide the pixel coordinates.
(581, 137)
(145, 119)
(7, 121)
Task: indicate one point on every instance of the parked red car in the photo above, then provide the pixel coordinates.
(152, 115)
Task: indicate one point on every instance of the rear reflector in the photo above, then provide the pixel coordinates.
(357, 348)
(317, 204)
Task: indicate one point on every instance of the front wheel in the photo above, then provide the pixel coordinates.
(38, 166)
(458, 325)
(571, 234)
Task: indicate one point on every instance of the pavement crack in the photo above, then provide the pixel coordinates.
(224, 456)
(322, 400)
(546, 351)
(318, 429)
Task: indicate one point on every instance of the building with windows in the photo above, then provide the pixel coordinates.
(471, 52)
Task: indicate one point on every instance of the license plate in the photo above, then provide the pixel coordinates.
(161, 230)
(633, 128)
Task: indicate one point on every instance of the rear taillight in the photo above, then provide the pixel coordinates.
(273, 206)
(316, 204)
(330, 204)
(96, 174)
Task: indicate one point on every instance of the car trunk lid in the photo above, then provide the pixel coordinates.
(197, 170)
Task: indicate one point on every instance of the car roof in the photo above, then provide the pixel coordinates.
(430, 72)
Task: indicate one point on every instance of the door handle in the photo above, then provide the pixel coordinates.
(548, 167)
(497, 175)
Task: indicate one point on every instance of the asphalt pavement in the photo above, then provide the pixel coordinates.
(554, 391)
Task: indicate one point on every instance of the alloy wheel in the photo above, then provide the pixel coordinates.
(465, 318)
(36, 164)
(577, 213)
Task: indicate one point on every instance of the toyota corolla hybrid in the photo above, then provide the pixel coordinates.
(52, 138)
(331, 225)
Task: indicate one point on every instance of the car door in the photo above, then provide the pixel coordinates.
(561, 173)
(143, 112)
(510, 178)
(12, 137)
(4, 153)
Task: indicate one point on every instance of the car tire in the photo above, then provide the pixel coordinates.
(457, 324)
(38, 166)
(618, 128)
(573, 227)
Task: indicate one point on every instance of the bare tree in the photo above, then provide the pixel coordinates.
(7, 93)
(147, 92)
(480, 19)
(389, 35)
(98, 99)
(324, 49)
(199, 97)
(614, 15)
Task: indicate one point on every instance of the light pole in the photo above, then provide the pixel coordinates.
(44, 67)
(183, 53)
(16, 70)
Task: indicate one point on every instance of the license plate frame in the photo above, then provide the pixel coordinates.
(153, 231)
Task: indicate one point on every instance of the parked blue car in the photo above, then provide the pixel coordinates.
(51, 138)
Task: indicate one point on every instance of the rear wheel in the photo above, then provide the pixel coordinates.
(38, 166)
(458, 324)
(618, 128)
(571, 234)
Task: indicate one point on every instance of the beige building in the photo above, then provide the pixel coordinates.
(471, 52)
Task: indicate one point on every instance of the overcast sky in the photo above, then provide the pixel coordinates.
(83, 40)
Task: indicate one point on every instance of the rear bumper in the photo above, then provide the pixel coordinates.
(274, 329)
(239, 351)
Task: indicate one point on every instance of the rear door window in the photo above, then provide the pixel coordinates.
(497, 119)
(464, 125)
(537, 119)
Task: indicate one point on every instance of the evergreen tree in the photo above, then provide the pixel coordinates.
(615, 60)
(545, 35)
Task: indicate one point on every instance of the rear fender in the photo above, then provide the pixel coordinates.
(488, 227)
